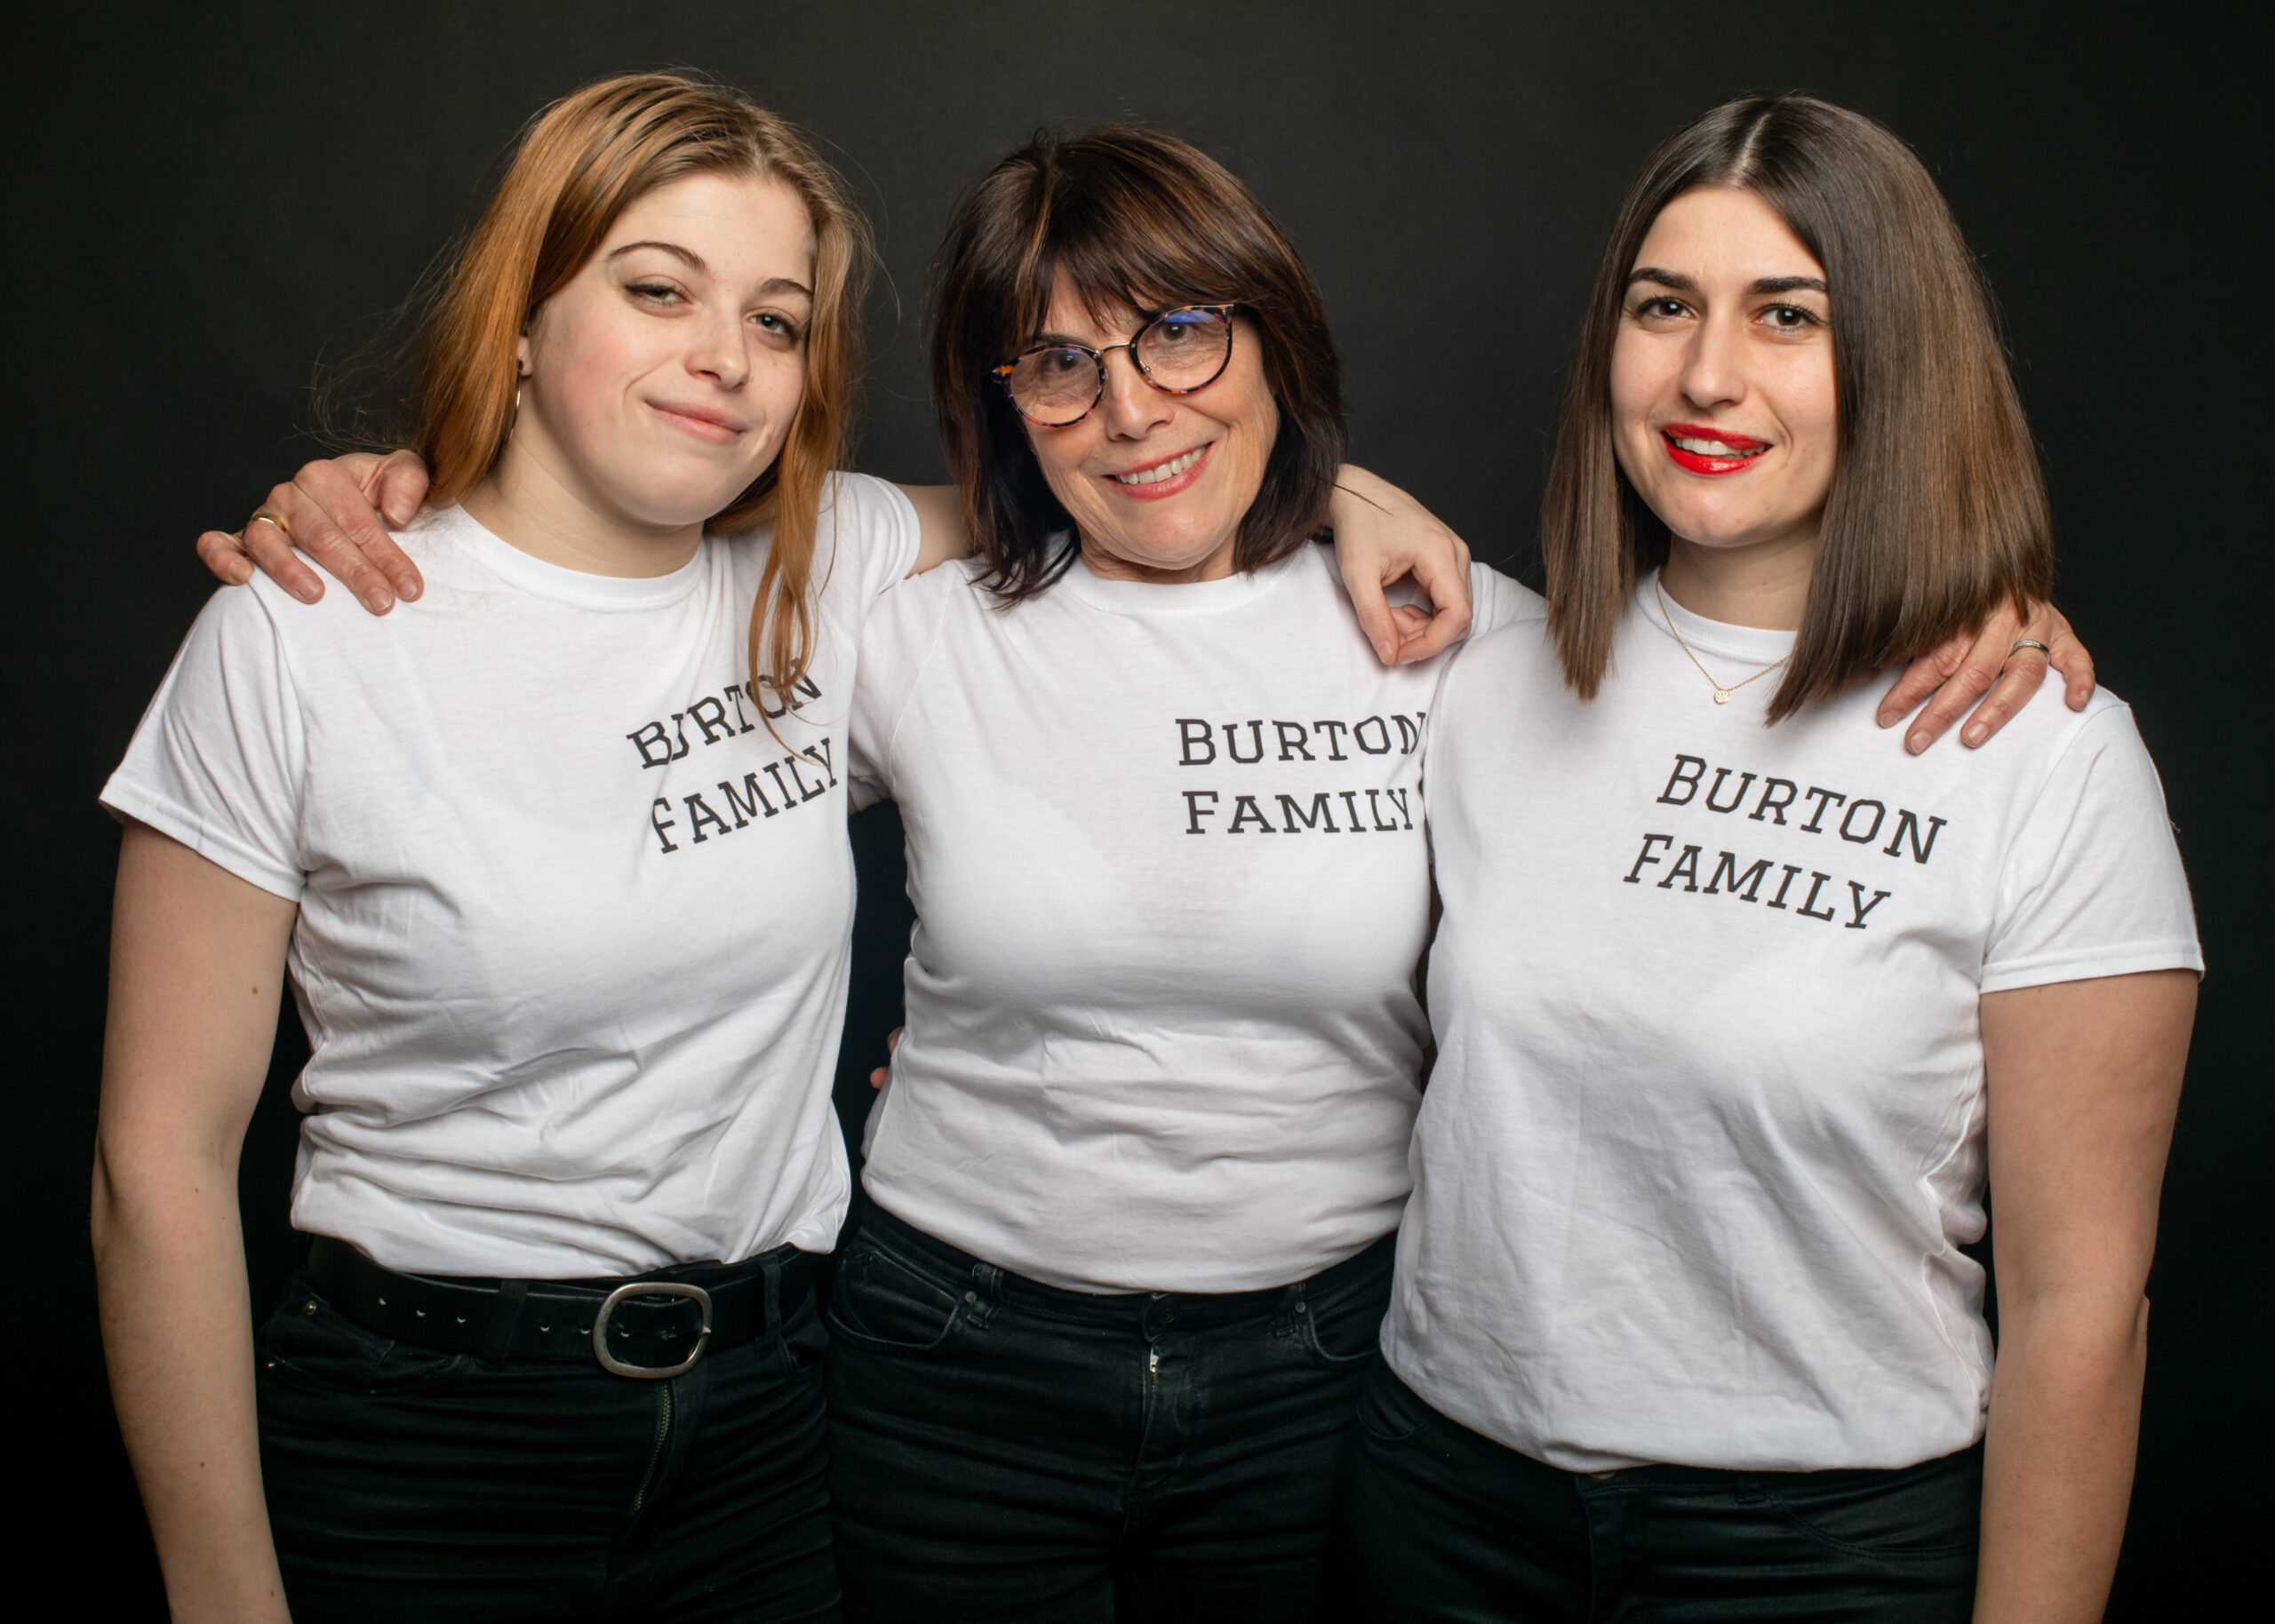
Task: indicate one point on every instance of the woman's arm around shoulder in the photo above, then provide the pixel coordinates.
(197, 963)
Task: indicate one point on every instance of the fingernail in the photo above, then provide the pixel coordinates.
(407, 587)
(307, 592)
(240, 573)
(1917, 742)
(1384, 651)
(1974, 735)
(379, 598)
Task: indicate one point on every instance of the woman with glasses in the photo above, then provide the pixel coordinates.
(1136, 1171)
(1134, 1177)
(1745, 1017)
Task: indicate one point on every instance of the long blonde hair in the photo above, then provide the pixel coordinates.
(582, 162)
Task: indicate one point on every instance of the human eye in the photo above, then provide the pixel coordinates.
(656, 295)
(1658, 309)
(779, 327)
(1789, 318)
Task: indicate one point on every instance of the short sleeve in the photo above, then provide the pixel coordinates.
(876, 535)
(2093, 884)
(897, 644)
(217, 761)
(1497, 601)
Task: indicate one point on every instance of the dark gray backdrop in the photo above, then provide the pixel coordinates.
(206, 199)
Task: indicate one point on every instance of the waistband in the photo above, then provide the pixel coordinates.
(1139, 1310)
(652, 1325)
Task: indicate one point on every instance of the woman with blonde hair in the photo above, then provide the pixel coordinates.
(555, 859)
(556, 864)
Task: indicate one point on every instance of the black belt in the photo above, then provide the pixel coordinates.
(648, 1325)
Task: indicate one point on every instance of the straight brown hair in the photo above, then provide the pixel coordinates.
(1938, 510)
(581, 162)
(1136, 221)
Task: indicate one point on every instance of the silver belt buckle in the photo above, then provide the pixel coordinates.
(650, 1288)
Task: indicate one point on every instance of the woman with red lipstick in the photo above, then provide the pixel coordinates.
(1136, 1170)
(1744, 1016)
(1095, 1346)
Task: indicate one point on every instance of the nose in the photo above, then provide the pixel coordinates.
(721, 351)
(1714, 369)
(1132, 407)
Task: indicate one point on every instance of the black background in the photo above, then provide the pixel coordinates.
(205, 200)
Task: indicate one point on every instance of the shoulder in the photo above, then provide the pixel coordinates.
(867, 539)
(1499, 601)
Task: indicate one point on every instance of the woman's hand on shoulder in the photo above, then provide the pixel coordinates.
(1382, 535)
(2013, 651)
(332, 510)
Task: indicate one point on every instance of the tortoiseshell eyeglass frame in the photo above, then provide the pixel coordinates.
(1222, 313)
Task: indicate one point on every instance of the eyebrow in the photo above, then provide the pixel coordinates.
(1760, 284)
(694, 262)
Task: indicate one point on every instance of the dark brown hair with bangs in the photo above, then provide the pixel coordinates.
(1138, 219)
(1938, 510)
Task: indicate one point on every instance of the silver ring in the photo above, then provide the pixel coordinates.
(2028, 642)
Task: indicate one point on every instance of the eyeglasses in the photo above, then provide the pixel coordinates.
(1177, 352)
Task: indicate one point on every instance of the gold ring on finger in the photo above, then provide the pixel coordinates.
(265, 517)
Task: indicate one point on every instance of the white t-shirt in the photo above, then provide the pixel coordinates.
(1706, 1128)
(1165, 844)
(572, 939)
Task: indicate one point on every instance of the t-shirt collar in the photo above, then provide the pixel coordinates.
(1183, 598)
(1750, 645)
(501, 558)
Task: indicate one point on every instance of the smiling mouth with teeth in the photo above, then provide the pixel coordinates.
(1717, 448)
(1701, 448)
(1160, 471)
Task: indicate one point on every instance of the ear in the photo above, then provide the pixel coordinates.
(521, 368)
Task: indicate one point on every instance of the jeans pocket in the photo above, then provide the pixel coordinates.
(1387, 1411)
(1928, 1512)
(882, 1302)
(308, 1337)
(1344, 1334)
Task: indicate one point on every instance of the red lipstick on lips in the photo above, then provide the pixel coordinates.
(1745, 450)
(1167, 487)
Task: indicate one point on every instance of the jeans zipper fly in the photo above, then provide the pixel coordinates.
(656, 1453)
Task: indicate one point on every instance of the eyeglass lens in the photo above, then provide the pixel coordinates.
(1181, 351)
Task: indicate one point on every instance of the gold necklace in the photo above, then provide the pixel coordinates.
(1721, 695)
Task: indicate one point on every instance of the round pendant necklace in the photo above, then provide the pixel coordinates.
(1722, 694)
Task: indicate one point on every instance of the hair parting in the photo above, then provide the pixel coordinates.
(1938, 511)
(581, 163)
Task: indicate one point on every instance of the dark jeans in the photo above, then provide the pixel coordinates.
(405, 1484)
(1439, 1522)
(1001, 1449)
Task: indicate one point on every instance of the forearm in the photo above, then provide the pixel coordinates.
(2065, 1416)
(177, 1335)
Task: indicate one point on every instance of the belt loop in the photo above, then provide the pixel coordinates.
(987, 1297)
(770, 1271)
(505, 1316)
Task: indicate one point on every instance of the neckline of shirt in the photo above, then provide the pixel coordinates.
(578, 587)
(1147, 598)
(1756, 645)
